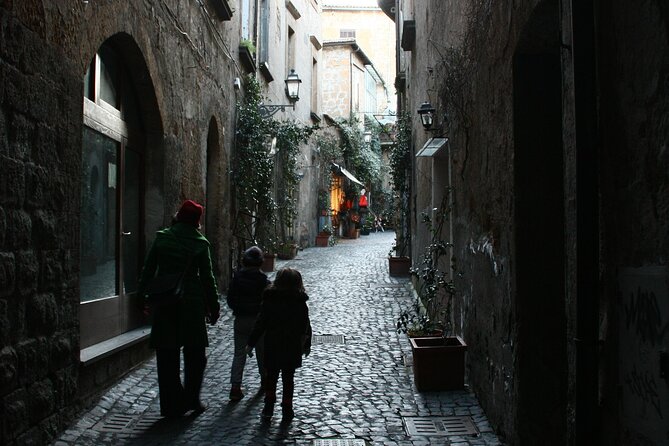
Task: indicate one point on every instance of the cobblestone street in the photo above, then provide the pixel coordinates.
(356, 384)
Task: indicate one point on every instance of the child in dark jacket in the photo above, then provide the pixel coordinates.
(284, 320)
(244, 299)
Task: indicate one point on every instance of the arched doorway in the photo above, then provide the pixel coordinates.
(541, 354)
(118, 129)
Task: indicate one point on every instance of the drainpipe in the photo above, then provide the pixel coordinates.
(584, 45)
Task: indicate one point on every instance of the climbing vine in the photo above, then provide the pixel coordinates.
(400, 168)
(262, 219)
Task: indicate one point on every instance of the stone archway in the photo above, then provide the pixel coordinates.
(541, 354)
(121, 186)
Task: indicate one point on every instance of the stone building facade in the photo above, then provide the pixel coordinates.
(348, 74)
(287, 38)
(111, 114)
(372, 30)
(555, 114)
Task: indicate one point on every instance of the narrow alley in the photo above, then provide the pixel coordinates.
(355, 388)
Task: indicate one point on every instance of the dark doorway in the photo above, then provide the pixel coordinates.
(541, 361)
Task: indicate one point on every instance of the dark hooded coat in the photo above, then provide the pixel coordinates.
(245, 293)
(284, 319)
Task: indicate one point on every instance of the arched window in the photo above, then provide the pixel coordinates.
(111, 219)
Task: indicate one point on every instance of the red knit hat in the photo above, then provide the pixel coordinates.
(190, 212)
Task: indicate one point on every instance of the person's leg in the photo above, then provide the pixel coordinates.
(260, 354)
(195, 361)
(271, 378)
(288, 379)
(242, 331)
(169, 382)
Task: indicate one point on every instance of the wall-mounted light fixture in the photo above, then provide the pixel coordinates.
(293, 82)
(426, 113)
(368, 136)
(270, 145)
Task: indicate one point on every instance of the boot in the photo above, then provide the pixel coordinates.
(287, 412)
(236, 393)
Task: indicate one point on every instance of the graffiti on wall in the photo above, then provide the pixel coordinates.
(644, 336)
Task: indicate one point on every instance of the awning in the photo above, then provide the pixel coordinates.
(347, 174)
(432, 147)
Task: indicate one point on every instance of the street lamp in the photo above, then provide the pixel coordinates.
(426, 112)
(368, 136)
(293, 82)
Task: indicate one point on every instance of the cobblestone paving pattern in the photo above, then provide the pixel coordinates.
(360, 389)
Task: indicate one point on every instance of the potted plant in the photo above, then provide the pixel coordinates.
(323, 237)
(438, 355)
(247, 52)
(323, 202)
(367, 225)
(263, 215)
(287, 250)
(399, 261)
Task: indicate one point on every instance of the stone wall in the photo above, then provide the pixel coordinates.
(184, 74)
(336, 92)
(519, 224)
(634, 308)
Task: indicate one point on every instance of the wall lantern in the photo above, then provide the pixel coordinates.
(293, 82)
(368, 136)
(426, 112)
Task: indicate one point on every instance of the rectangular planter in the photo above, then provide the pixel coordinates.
(322, 240)
(268, 263)
(399, 266)
(438, 363)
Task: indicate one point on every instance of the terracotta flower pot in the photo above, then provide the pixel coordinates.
(268, 263)
(322, 240)
(438, 362)
(287, 253)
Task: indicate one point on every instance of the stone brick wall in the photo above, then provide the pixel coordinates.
(184, 74)
(336, 92)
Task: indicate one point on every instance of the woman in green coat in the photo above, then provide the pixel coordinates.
(182, 324)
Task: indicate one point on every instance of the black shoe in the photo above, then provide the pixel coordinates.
(267, 411)
(287, 414)
(173, 413)
(197, 407)
(236, 394)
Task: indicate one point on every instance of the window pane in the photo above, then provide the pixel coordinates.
(89, 83)
(130, 227)
(98, 216)
(246, 19)
(109, 75)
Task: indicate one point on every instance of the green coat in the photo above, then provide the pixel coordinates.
(184, 323)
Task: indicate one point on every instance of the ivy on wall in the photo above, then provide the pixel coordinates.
(400, 168)
(262, 219)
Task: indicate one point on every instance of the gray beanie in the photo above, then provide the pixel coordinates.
(252, 257)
